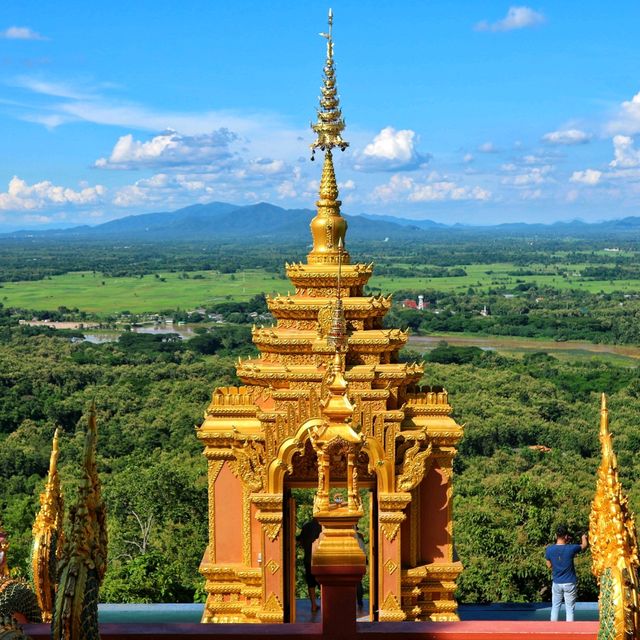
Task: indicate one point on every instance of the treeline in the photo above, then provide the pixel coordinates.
(526, 463)
(526, 311)
(35, 258)
(424, 271)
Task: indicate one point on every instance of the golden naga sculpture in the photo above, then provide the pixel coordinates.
(614, 546)
(328, 403)
(48, 538)
(84, 558)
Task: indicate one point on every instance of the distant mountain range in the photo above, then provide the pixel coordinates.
(221, 221)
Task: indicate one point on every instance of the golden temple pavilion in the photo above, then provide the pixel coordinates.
(327, 404)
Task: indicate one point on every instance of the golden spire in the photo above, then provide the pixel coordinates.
(47, 537)
(614, 547)
(328, 227)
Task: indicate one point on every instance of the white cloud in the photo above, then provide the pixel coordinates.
(516, 18)
(286, 190)
(55, 89)
(627, 120)
(169, 149)
(259, 179)
(566, 137)
(266, 167)
(537, 175)
(23, 197)
(588, 176)
(488, 147)
(625, 153)
(447, 191)
(467, 158)
(59, 103)
(405, 188)
(531, 158)
(21, 33)
(391, 150)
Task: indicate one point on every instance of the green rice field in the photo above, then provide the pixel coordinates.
(96, 293)
(102, 295)
(484, 276)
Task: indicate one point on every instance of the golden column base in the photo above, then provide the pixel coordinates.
(338, 563)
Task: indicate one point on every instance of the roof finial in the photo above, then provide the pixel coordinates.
(330, 123)
(328, 227)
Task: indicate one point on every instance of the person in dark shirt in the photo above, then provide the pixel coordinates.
(309, 533)
(559, 557)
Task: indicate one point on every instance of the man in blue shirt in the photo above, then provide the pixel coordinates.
(559, 558)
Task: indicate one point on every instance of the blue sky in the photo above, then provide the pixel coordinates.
(461, 111)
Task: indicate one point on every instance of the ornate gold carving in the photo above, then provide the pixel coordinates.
(390, 566)
(271, 523)
(391, 610)
(249, 465)
(273, 566)
(324, 320)
(246, 525)
(390, 524)
(272, 610)
(414, 467)
(614, 546)
(393, 501)
(213, 470)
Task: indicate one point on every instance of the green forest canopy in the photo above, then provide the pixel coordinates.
(508, 496)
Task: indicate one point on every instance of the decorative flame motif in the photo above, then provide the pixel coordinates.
(614, 547)
(84, 560)
(48, 537)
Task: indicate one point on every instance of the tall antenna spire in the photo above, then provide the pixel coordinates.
(328, 227)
